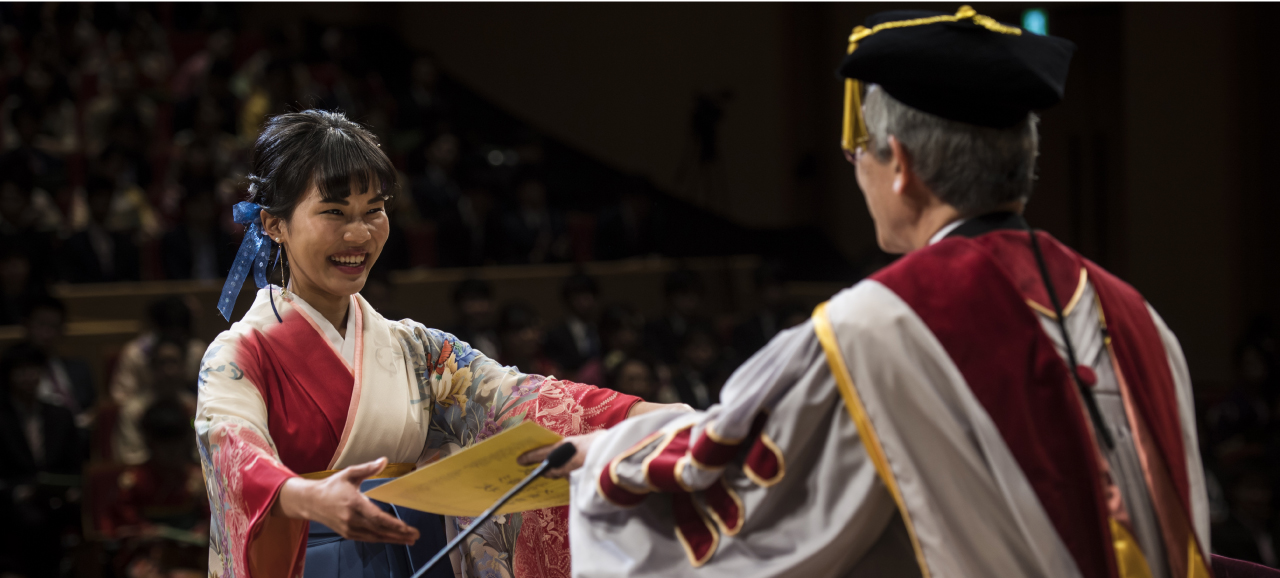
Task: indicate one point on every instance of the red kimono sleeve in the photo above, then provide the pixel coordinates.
(567, 408)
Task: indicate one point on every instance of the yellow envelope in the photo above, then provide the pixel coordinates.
(470, 481)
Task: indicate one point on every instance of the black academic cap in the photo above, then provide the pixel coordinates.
(964, 67)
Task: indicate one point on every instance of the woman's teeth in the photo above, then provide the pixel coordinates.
(349, 260)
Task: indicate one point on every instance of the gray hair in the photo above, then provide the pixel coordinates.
(972, 168)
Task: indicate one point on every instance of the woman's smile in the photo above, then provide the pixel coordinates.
(349, 262)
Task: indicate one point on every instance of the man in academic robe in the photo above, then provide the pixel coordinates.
(992, 404)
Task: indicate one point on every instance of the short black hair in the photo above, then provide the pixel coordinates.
(42, 300)
(316, 146)
(618, 317)
(517, 316)
(472, 289)
(579, 283)
(20, 354)
(170, 313)
(682, 281)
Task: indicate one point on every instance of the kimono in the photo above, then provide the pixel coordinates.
(277, 399)
(923, 423)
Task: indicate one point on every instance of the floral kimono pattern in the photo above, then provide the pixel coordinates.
(277, 401)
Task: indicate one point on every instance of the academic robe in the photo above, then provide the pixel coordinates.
(922, 423)
(277, 400)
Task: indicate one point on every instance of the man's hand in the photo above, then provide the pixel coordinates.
(644, 407)
(337, 502)
(583, 442)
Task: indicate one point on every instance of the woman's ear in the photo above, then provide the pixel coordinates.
(273, 226)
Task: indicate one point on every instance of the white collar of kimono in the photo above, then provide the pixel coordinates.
(943, 232)
(346, 347)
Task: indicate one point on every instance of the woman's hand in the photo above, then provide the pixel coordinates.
(583, 442)
(337, 502)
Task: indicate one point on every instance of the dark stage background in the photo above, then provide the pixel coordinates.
(667, 176)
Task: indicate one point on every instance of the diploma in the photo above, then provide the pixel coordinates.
(468, 482)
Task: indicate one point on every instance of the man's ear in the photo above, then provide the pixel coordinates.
(902, 173)
(272, 225)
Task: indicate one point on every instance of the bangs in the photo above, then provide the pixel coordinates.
(345, 161)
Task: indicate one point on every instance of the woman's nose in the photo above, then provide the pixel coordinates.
(357, 232)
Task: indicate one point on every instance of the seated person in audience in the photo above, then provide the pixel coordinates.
(198, 247)
(533, 232)
(168, 376)
(66, 381)
(160, 510)
(473, 300)
(470, 229)
(621, 331)
(17, 286)
(24, 223)
(168, 488)
(683, 289)
(98, 254)
(47, 169)
(436, 190)
(635, 376)
(766, 321)
(40, 459)
(632, 227)
(575, 342)
(520, 341)
(698, 375)
(621, 334)
(1250, 530)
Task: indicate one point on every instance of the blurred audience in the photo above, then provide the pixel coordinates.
(773, 315)
(698, 373)
(575, 341)
(630, 228)
(198, 247)
(477, 316)
(65, 381)
(532, 231)
(520, 340)
(98, 254)
(158, 509)
(664, 336)
(161, 362)
(17, 285)
(40, 460)
(126, 130)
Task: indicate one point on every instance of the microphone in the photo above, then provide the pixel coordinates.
(558, 457)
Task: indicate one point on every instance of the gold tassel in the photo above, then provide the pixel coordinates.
(854, 134)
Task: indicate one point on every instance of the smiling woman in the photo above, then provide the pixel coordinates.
(313, 396)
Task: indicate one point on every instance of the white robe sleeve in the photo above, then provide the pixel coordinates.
(799, 525)
(1190, 442)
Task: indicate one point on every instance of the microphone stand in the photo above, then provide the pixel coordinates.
(558, 457)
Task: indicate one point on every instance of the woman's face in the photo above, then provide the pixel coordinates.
(331, 245)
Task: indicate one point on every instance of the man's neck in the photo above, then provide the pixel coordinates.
(932, 219)
(937, 216)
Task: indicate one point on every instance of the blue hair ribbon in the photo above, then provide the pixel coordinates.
(255, 254)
